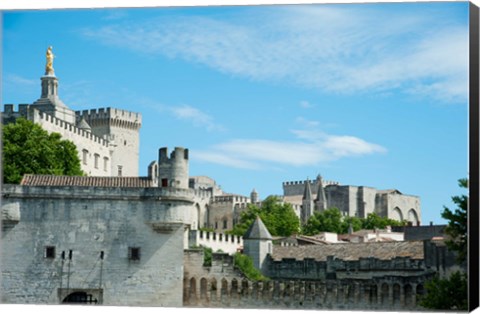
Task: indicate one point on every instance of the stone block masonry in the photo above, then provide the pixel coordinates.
(120, 246)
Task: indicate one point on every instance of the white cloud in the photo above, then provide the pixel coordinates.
(305, 104)
(311, 148)
(196, 116)
(15, 79)
(340, 49)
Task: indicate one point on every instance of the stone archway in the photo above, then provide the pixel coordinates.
(413, 217)
(80, 297)
(397, 214)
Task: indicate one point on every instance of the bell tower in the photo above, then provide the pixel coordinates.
(49, 101)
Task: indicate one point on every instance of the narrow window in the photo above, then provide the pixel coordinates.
(164, 182)
(49, 252)
(97, 157)
(225, 224)
(216, 224)
(84, 156)
(134, 253)
(120, 171)
(105, 164)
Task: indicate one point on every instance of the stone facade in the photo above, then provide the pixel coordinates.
(309, 196)
(107, 139)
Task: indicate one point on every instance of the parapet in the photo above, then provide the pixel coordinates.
(177, 153)
(117, 117)
(302, 183)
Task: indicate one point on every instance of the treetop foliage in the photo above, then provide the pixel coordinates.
(457, 223)
(332, 220)
(29, 149)
(280, 219)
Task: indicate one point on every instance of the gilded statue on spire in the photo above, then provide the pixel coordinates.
(49, 67)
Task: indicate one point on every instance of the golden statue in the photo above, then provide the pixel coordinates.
(49, 66)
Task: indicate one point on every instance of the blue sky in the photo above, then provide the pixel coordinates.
(372, 94)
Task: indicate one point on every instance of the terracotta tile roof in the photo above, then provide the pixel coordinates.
(351, 251)
(52, 180)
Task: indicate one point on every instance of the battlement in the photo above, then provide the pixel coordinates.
(51, 123)
(237, 199)
(227, 243)
(116, 117)
(177, 154)
(302, 183)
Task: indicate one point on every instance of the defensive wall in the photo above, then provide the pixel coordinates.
(220, 285)
(93, 151)
(297, 187)
(226, 243)
(111, 116)
(109, 243)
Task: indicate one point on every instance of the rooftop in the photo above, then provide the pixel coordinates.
(52, 180)
(351, 251)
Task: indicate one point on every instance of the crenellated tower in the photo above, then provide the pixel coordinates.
(173, 169)
(121, 128)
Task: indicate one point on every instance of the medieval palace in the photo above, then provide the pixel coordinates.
(113, 237)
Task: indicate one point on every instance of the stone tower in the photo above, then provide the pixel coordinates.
(307, 203)
(257, 243)
(321, 200)
(254, 196)
(173, 170)
(49, 101)
(121, 128)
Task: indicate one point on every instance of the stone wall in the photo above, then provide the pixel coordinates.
(89, 146)
(216, 241)
(222, 286)
(120, 245)
(121, 128)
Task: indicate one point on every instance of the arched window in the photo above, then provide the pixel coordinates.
(397, 214)
(413, 217)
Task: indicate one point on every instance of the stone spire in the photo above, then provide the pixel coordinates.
(321, 200)
(307, 203)
(257, 243)
(307, 192)
(257, 231)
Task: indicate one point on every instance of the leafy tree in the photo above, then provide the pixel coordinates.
(29, 149)
(330, 220)
(355, 222)
(373, 221)
(452, 293)
(280, 219)
(457, 225)
(245, 264)
(446, 294)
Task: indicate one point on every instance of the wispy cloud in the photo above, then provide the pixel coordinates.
(338, 49)
(195, 116)
(15, 79)
(310, 148)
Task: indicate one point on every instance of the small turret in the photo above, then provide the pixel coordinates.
(254, 196)
(257, 243)
(173, 170)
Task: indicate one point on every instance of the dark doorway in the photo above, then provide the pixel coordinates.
(80, 297)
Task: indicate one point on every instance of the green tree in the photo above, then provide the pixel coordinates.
(452, 293)
(446, 294)
(244, 263)
(373, 221)
(279, 218)
(330, 220)
(457, 224)
(29, 149)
